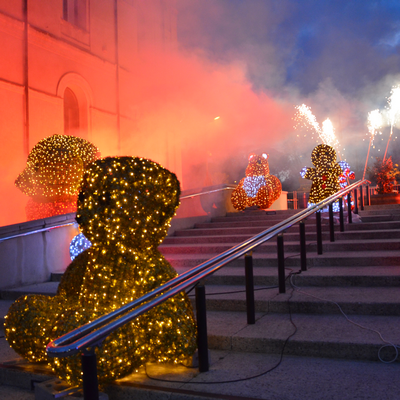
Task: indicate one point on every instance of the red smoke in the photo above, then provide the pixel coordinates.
(179, 97)
(173, 99)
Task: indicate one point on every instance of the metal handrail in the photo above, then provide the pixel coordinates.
(95, 332)
(46, 229)
(188, 196)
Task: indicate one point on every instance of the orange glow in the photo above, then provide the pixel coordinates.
(176, 111)
(168, 102)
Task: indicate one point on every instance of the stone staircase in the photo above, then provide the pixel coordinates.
(358, 274)
(360, 271)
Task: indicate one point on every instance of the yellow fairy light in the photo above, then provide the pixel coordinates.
(52, 175)
(106, 276)
(258, 188)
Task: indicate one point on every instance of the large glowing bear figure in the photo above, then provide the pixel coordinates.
(52, 175)
(258, 188)
(325, 175)
(124, 209)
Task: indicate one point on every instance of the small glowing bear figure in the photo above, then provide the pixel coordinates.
(124, 208)
(346, 174)
(53, 173)
(325, 175)
(258, 188)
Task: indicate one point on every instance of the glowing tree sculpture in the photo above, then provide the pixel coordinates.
(258, 188)
(124, 209)
(325, 175)
(52, 175)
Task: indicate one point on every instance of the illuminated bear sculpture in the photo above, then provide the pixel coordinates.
(258, 188)
(52, 175)
(325, 175)
(124, 209)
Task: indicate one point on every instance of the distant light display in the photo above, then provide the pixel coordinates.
(258, 188)
(124, 208)
(325, 175)
(78, 244)
(52, 175)
(346, 174)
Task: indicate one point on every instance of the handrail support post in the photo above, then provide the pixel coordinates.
(303, 254)
(89, 375)
(331, 223)
(319, 232)
(349, 208)
(341, 216)
(281, 264)
(248, 267)
(362, 198)
(355, 201)
(201, 316)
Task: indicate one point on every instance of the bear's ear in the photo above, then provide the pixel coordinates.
(265, 156)
(252, 155)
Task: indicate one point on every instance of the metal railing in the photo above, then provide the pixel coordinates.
(85, 338)
(48, 227)
(189, 196)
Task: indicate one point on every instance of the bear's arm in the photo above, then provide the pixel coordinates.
(309, 173)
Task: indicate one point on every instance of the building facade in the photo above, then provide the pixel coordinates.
(67, 67)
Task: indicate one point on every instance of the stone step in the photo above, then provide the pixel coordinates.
(377, 301)
(289, 236)
(254, 230)
(367, 211)
(236, 375)
(330, 336)
(326, 276)
(366, 216)
(331, 259)
(388, 276)
(244, 224)
(46, 288)
(372, 225)
(380, 218)
(290, 246)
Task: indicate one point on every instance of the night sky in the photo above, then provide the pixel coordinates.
(340, 57)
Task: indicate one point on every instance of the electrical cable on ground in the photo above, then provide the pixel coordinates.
(246, 378)
(388, 344)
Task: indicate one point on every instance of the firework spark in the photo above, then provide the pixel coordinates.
(375, 122)
(305, 117)
(394, 105)
(327, 134)
(394, 112)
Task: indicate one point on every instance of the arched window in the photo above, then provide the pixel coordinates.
(77, 98)
(75, 12)
(71, 113)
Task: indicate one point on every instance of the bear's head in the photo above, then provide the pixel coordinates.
(258, 165)
(127, 202)
(323, 156)
(54, 168)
